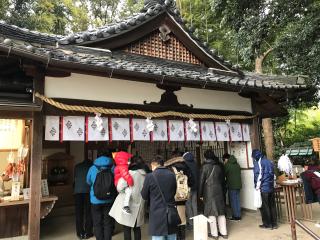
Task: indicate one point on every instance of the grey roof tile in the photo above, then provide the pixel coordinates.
(149, 65)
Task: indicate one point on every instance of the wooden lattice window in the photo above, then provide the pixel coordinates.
(173, 49)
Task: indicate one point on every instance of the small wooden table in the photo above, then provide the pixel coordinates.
(14, 216)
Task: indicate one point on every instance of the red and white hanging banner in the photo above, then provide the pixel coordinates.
(176, 130)
(208, 131)
(160, 132)
(140, 132)
(236, 132)
(73, 128)
(222, 131)
(120, 129)
(192, 135)
(98, 133)
(246, 132)
(52, 128)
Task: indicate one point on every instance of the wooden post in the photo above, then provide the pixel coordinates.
(268, 137)
(36, 157)
(35, 177)
(255, 134)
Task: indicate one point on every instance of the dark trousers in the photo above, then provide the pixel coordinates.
(234, 199)
(83, 214)
(191, 207)
(268, 209)
(181, 233)
(127, 233)
(103, 224)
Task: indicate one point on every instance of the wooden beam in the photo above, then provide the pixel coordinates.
(35, 177)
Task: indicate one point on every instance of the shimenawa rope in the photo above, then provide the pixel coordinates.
(127, 112)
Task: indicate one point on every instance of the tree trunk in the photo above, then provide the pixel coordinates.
(266, 122)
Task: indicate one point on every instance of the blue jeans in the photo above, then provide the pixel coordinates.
(168, 237)
(234, 197)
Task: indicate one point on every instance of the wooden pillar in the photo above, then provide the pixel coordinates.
(268, 137)
(35, 177)
(36, 157)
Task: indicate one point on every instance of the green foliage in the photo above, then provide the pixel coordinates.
(130, 7)
(299, 126)
(298, 45)
(199, 17)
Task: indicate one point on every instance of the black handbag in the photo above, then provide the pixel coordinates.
(172, 212)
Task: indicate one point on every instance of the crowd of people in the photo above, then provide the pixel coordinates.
(122, 188)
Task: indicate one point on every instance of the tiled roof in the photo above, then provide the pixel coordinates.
(106, 60)
(151, 10)
(23, 34)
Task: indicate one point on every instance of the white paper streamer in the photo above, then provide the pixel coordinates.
(191, 134)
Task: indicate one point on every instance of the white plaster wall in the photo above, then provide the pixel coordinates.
(247, 190)
(86, 87)
(210, 99)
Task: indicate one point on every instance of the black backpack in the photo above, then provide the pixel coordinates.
(103, 186)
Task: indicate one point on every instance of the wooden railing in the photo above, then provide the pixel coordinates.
(306, 229)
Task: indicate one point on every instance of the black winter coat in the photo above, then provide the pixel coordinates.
(211, 189)
(158, 223)
(194, 170)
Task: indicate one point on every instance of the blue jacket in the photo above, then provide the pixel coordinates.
(103, 162)
(267, 179)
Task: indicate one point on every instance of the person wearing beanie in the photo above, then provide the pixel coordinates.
(264, 180)
(122, 178)
(234, 184)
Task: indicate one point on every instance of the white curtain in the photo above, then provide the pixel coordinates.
(246, 132)
(120, 129)
(73, 128)
(176, 129)
(222, 131)
(236, 132)
(208, 131)
(140, 132)
(94, 134)
(52, 128)
(160, 132)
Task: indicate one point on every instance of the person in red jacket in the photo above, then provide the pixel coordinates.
(122, 179)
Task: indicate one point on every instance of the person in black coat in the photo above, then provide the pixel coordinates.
(211, 190)
(158, 223)
(84, 225)
(192, 202)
